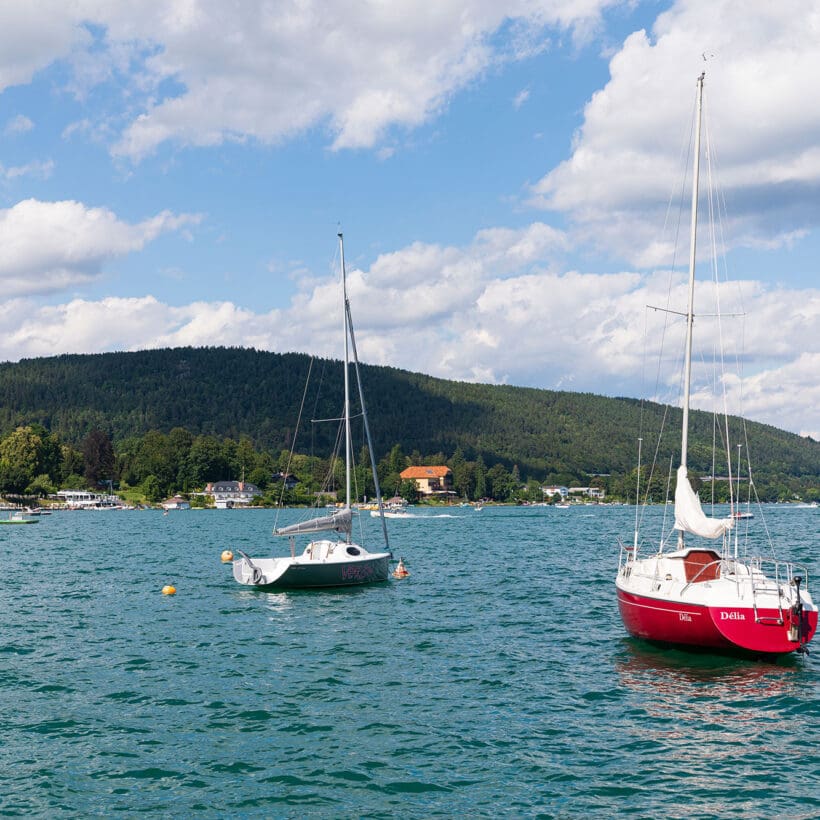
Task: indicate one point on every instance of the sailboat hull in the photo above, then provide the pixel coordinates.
(722, 627)
(305, 576)
(313, 572)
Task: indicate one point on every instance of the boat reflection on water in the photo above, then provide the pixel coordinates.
(711, 691)
(658, 666)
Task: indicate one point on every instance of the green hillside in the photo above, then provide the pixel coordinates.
(231, 392)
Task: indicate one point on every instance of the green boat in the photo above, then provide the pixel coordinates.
(18, 518)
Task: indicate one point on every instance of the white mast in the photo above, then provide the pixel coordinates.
(348, 442)
(690, 315)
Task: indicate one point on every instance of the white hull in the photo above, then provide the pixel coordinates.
(324, 563)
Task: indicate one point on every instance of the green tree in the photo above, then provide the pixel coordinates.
(409, 491)
(480, 490)
(154, 458)
(98, 457)
(206, 461)
(41, 486)
(397, 460)
(152, 489)
(19, 460)
(71, 461)
(179, 443)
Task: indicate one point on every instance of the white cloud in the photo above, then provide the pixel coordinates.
(18, 125)
(52, 246)
(35, 34)
(627, 155)
(520, 98)
(210, 72)
(36, 168)
(115, 323)
(787, 396)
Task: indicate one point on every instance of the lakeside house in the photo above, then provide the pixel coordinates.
(554, 490)
(176, 503)
(288, 479)
(589, 492)
(566, 492)
(230, 494)
(436, 480)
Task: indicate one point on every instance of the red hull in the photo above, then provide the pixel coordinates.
(717, 627)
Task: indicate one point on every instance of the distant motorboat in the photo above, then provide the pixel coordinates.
(18, 517)
(391, 513)
(37, 511)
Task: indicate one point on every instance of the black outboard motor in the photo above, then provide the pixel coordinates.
(796, 628)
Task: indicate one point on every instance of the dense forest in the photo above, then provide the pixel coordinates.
(188, 415)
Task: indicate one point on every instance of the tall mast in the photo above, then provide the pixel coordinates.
(348, 442)
(690, 315)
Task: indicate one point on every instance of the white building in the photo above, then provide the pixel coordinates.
(553, 491)
(230, 494)
(590, 492)
(85, 500)
(176, 503)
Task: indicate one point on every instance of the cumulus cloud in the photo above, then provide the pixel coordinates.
(33, 35)
(211, 72)
(52, 246)
(628, 154)
(115, 323)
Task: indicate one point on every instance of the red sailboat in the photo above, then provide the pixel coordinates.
(707, 594)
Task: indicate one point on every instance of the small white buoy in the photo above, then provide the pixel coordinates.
(400, 571)
(227, 555)
(168, 589)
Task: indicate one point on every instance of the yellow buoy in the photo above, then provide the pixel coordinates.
(227, 555)
(169, 590)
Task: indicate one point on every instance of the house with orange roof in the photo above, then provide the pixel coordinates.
(430, 480)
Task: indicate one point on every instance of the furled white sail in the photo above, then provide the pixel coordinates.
(339, 521)
(689, 515)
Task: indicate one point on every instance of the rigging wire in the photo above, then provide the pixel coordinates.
(293, 444)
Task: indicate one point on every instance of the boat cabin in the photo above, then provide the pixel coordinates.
(701, 565)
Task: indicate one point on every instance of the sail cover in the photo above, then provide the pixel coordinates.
(689, 515)
(339, 521)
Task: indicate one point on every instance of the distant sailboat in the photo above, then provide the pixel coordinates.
(700, 596)
(325, 562)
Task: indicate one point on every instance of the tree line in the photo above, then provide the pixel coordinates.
(190, 415)
(36, 462)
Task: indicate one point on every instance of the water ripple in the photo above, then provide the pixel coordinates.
(496, 681)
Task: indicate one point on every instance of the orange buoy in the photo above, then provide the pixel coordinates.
(168, 589)
(227, 555)
(400, 571)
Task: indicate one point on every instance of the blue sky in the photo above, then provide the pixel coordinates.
(174, 172)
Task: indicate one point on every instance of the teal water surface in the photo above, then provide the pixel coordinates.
(496, 680)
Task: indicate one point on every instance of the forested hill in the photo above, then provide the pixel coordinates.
(234, 391)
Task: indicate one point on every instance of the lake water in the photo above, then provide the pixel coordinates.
(495, 681)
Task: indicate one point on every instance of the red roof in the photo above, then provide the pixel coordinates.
(425, 472)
